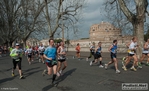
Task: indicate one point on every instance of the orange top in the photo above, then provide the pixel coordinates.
(78, 48)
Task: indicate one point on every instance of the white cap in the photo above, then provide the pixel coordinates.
(17, 44)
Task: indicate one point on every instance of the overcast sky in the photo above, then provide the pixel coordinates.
(93, 13)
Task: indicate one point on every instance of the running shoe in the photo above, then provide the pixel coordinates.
(54, 83)
(61, 72)
(86, 59)
(13, 74)
(117, 71)
(43, 62)
(44, 72)
(39, 60)
(124, 68)
(91, 63)
(140, 67)
(133, 68)
(29, 63)
(139, 64)
(58, 74)
(21, 77)
(100, 66)
(106, 66)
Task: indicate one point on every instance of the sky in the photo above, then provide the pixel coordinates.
(93, 13)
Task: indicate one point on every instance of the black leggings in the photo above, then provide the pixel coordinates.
(15, 63)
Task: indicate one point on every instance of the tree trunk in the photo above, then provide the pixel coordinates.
(24, 43)
(138, 27)
(10, 43)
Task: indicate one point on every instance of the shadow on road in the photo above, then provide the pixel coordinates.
(60, 79)
(30, 69)
(6, 79)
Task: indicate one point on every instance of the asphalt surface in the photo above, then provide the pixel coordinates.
(78, 76)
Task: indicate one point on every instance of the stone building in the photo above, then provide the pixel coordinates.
(105, 33)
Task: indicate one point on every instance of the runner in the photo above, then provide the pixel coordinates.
(145, 54)
(16, 55)
(50, 56)
(33, 53)
(5, 50)
(41, 52)
(36, 52)
(29, 53)
(113, 51)
(61, 51)
(92, 51)
(126, 57)
(78, 51)
(97, 56)
(1, 51)
(132, 54)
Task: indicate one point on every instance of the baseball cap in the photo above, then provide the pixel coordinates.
(17, 44)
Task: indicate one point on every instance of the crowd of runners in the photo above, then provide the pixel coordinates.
(48, 56)
(54, 56)
(132, 55)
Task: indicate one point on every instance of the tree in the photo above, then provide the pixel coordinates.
(8, 14)
(136, 18)
(59, 11)
(30, 12)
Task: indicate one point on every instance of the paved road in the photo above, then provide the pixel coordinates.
(78, 76)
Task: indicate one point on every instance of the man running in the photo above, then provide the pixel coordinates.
(16, 55)
(1, 51)
(97, 56)
(113, 52)
(36, 52)
(145, 54)
(78, 51)
(61, 51)
(92, 51)
(132, 54)
(41, 52)
(29, 53)
(50, 56)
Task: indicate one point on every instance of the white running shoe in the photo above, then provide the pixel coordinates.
(61, 72)
(39, 60)
(86, 59)
(58, 74)
(29, 63)
(117, 71)
(106, 66)
(91, 63)
(100, 66)
(44, 72)
(133, 68)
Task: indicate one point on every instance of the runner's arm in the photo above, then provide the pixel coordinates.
(110, 48)
(13, 54)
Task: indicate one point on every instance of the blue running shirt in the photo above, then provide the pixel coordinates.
(50, 52)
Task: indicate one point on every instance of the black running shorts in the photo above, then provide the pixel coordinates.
(97, 56)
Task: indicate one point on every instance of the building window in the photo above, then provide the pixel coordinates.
(107, 30)
(93, 29)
